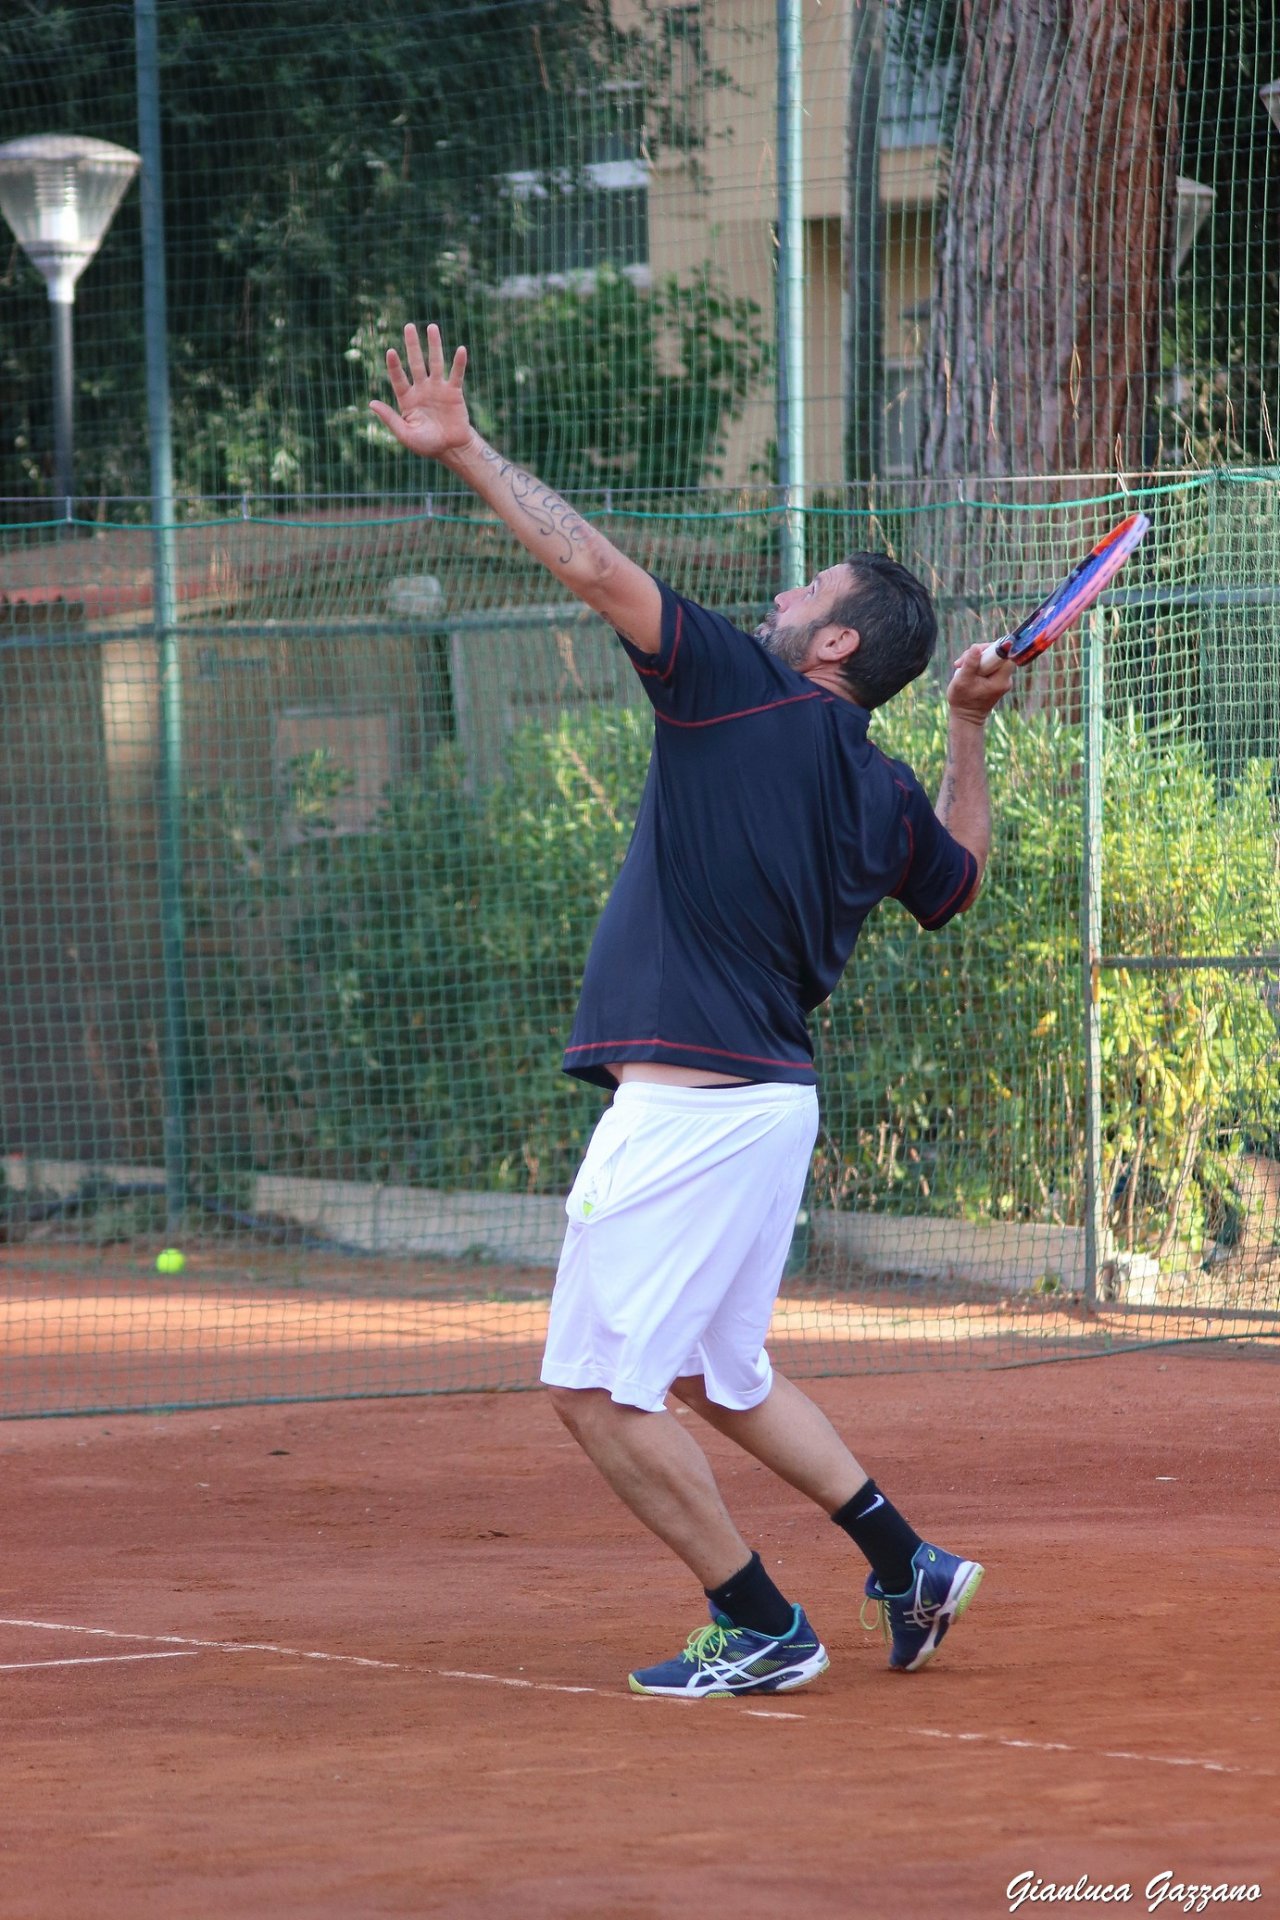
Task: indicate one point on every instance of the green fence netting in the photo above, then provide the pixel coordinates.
(299, 863)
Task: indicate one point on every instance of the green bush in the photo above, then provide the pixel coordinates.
(953, 1065)
(392, 1006)
(950, 1062)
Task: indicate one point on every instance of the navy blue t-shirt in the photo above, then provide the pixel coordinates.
(769, 828)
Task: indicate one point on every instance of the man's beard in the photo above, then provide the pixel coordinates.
(790, 645)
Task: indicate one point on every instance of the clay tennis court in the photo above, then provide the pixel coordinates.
(369, 1658)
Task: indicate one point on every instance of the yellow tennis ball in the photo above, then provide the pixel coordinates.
(170, 1261)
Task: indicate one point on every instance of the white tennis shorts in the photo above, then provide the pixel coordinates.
(680, 1221)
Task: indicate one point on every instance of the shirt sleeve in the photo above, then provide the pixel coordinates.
(706, 668)
(939, 874)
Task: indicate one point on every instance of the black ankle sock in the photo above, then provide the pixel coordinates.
(751, 1600)
(879, 1531)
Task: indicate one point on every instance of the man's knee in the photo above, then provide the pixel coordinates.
(691, 1388)
(580, 1407)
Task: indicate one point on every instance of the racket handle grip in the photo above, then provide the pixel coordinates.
(998, 650)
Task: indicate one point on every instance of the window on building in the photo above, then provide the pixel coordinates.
(903, 392)
(561, 223)
(682, 123)
(917, 91)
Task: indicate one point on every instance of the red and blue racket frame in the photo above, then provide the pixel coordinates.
(1073, 597)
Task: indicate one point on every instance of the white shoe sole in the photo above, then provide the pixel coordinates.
(799, 1676)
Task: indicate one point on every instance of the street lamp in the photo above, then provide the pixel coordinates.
(1195, 204)
(59, 193)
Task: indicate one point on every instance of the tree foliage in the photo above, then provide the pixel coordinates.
(331, 170)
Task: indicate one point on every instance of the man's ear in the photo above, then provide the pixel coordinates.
(841, 643)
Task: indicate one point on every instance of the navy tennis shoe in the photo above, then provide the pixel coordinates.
(722, 1659)
(915, 1622)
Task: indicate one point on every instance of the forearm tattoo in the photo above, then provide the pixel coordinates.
(553, 518)
(947, 791)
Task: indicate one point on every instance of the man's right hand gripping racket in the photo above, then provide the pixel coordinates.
(1067, 602)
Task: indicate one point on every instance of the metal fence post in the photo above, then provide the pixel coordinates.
(177, 1077)
(791, 315)
(1090, 950)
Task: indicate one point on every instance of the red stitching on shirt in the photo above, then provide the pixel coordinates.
(689, 1046)
(911, 854)
(942, 911)
(656, 673)
(743, 713)
(675, 645)
(967, 882)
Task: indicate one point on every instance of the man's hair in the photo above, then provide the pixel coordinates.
(896, 622)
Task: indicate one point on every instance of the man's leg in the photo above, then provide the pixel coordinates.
(658, 1470)
(918, 1589)
(788, 1434)
(759, 1642)
(791, 1436)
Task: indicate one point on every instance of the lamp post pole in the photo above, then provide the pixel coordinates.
(61, 310)
(791, 313)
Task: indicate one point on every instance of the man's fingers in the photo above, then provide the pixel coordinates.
(396, 374)
(413, 347)
(390, 419)
(458, 368)
(435, 352)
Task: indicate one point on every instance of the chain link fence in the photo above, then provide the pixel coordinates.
(312, 790)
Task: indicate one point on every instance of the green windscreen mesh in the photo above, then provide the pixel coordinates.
(1038, 279)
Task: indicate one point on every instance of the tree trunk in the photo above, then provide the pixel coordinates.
(1052, 267)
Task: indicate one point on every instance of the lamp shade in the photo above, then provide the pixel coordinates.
(1195, 204)
(59, 193)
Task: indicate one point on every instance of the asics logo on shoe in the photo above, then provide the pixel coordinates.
(920, 1613)
(914, 1623)
(723, 1659)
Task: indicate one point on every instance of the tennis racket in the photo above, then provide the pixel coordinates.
(1067, 602)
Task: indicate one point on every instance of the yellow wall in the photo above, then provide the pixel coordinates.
(720, 204)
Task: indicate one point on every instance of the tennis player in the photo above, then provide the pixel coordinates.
(769, 829)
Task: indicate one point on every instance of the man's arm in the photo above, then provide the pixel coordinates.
(431, 420)
(964, 803)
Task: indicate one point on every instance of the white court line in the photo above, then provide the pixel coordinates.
(214, 1646)
(91, 1660)
(1088, 1753)
(547, 1686)
(500, 1680)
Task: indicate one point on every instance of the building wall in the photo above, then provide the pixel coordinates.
(81, 970)
(719, 203)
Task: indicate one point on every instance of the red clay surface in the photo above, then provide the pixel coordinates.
(1107, 1708)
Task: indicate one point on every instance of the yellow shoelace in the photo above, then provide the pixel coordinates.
(703, 1644)
(879, 1618)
